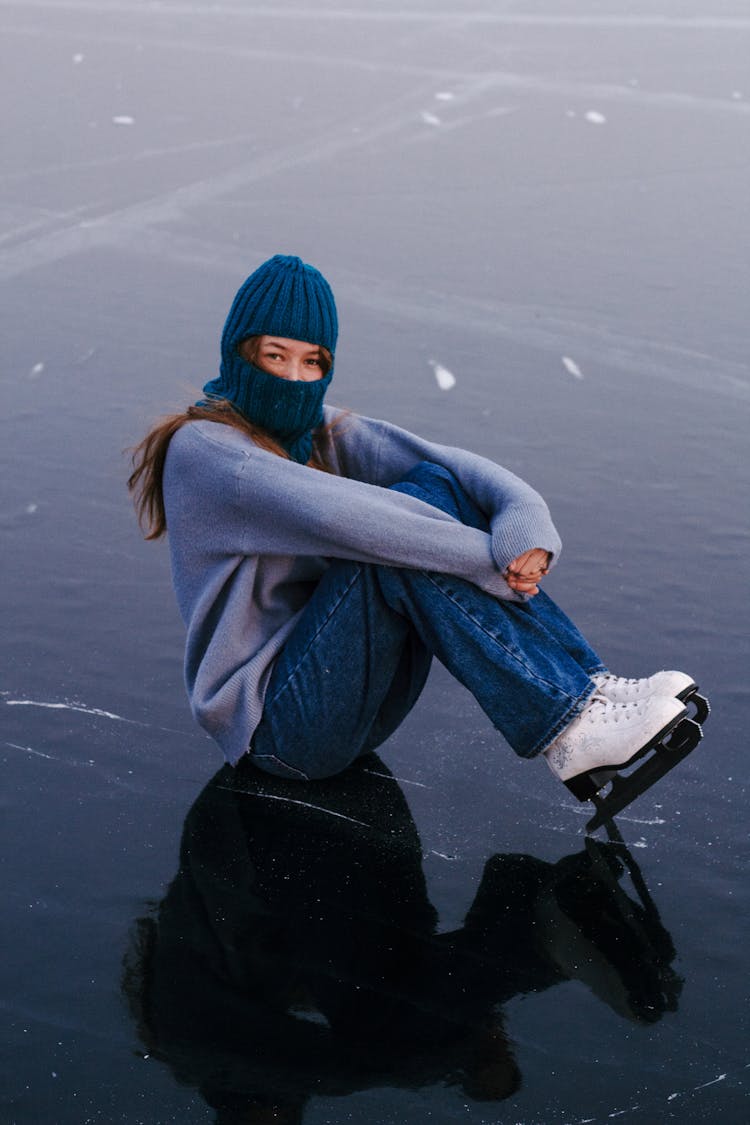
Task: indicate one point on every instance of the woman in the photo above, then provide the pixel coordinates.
(321, 559)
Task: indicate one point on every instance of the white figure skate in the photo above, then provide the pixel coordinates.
(609, 737)
(669, 683)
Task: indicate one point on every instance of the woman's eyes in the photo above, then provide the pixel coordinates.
(311, 361)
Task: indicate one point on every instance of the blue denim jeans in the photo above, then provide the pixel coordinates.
(359, 656)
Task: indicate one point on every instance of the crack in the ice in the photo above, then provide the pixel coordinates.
(402, 780)
(30, 750)
(292, 801)
(82, 709)
(70, 707)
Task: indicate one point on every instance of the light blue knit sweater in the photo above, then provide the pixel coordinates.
(250, 535)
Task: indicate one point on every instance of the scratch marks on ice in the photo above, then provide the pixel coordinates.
(30, 750)
(83, 709)
(292, 801)
(68, 707)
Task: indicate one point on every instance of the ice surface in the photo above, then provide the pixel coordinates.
(432, 160)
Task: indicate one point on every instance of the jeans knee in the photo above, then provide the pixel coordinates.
(441, 488)
(426, 474)
(433, 484)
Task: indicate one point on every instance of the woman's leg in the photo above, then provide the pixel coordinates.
(359, 656)
(441, 489)
(345, 680)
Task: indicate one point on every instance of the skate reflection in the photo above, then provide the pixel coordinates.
(295, 951)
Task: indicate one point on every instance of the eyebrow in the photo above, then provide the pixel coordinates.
(283, 348)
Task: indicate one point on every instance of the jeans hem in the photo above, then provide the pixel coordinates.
(565, 720)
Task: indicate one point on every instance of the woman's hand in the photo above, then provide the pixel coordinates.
(525, 572)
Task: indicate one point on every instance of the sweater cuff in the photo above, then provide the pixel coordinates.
(521, 528)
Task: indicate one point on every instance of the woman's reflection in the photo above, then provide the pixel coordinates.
(295, 952)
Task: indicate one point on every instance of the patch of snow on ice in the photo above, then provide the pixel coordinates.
(737, 95)
(123, 119)
(444, 96)
(36, 371)
(31, 508)
(572, 367)
(594, 117)
(444, 378)
(77, 59)
(430, 118)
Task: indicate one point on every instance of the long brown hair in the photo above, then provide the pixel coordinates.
(148, 457)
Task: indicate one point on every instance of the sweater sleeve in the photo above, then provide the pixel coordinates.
(518, 516)
(247, 501)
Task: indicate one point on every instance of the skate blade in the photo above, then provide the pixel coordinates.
(701, 708)
(586, 785)
(681, 741)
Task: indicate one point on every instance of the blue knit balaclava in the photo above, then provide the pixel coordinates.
(284, 297)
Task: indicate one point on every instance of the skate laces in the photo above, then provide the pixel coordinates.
(600, 709)
(605, 678)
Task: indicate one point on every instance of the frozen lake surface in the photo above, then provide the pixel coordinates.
(534, 217)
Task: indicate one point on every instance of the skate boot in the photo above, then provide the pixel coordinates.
(607, 737)
(669, 683)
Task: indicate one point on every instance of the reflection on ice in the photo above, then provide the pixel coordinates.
(293, 957)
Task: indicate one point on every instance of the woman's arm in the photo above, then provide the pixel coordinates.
(225, 496)
(519, 519)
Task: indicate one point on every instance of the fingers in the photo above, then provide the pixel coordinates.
(527, 570)
(522, 585)
(528, 575)
(535, 561)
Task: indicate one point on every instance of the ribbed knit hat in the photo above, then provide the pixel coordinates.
(284, 297)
